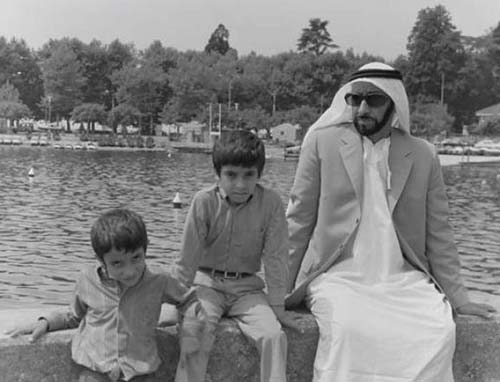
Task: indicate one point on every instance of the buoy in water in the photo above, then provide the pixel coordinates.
(31, 172)
(177, 201)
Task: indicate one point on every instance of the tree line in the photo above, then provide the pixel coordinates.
(448, 77)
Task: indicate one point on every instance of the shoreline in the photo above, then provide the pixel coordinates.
(71, 142)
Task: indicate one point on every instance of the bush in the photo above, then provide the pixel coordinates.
(150, 142)
(488, 127)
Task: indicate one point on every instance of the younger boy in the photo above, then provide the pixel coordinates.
(231, 227)
(117, 303)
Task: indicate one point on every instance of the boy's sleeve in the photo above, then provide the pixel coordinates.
(275, 255)
(70, 317)
(178, 294)
(192, 243)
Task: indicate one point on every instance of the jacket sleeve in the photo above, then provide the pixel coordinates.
(302, 208)
(275, 254)
(441, 250)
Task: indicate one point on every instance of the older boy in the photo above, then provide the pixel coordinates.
(117, 303)
(231, 227)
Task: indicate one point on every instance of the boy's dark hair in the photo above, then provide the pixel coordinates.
(120, 229)
(238, 148)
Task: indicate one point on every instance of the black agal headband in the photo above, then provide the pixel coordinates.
(378, 73)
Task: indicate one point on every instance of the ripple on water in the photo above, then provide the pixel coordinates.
(45, 221)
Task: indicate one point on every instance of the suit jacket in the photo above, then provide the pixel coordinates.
(325, 207)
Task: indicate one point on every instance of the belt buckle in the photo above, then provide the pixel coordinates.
(233, 276)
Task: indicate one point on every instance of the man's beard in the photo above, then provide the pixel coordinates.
(371, 129)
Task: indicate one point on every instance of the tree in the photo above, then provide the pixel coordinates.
(303, 116)
(494, 53)
(490, 127)
(139, 84)
(63, 80)
(11, 106)
(19, 67)
(429, 119)
(94, 63)
(89, 113)
(435, 58)
(315, 38)
(219, 41)
(123, 114)
(195, 83)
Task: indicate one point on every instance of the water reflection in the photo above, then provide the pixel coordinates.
(45, 220)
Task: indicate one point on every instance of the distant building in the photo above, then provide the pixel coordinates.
(488, 113)
(287, 133)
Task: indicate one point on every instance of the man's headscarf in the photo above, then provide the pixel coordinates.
(383, 76)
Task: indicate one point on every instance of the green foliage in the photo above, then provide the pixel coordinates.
(248, 119)
(436, 54)
(90, 113)
(218, 41)
(123, 114)
(9, 93)
(315, 38)
(18, 66)
(13, 110)
(139, 84)
(490, 127)
(161, 84)
(303, 116)
(429, 119)
(11, 106)
(63, 79)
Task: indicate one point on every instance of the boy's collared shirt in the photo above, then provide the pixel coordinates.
(237, 238)
(116, 326)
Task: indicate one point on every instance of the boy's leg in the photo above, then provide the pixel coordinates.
(192, 366)
(257, 321)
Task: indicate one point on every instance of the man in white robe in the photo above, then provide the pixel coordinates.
(372, 252)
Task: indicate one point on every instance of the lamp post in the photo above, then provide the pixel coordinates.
(442, 88)
(49, 98)
(229, 95)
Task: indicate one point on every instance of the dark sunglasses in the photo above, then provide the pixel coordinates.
(372, 100)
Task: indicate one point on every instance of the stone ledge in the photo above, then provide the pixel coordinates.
(477, 357)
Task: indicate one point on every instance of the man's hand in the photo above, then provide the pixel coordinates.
(476, 309)
(36, 329)
(287, 319)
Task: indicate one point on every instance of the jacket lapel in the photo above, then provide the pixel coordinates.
(351, 151)
(400, 163)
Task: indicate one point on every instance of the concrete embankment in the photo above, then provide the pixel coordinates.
(477, 356)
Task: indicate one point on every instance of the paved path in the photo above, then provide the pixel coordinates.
(448, 160)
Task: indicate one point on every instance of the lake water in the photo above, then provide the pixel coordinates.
(45, 220)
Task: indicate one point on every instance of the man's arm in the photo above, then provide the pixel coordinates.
(275, 254)
(302, 208)
(441, 249)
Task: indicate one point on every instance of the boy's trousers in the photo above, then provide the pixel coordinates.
(244, 301)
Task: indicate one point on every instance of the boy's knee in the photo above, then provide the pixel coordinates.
(272, 333)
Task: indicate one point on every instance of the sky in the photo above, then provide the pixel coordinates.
(267, 27)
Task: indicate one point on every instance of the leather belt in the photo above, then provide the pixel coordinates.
(224, 274)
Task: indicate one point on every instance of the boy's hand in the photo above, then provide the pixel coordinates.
(476, 309)
(287, 319)
(36, 329)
